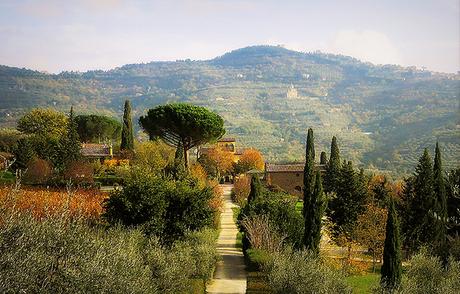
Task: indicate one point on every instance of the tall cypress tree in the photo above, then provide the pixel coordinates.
(309, 171)
(127, 136)
(440, 206)
(323, 158)
(70, 143)
(391, 269)
(256, 189)
(331, 179)
(314, 215)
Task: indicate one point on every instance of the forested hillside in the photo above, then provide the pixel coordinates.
(383, 116)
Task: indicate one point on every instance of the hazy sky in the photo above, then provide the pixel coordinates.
(57, 35)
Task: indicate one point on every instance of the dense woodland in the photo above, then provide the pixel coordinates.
(383, 116)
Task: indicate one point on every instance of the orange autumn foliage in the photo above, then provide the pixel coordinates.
(252, 159)
(42, 203)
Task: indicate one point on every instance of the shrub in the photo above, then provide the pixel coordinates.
(58, 255)
(426, 274)
(79, 172)
(302, 272)
(241, 189)
(38, 171)
(261, 234)
(162, 207)
(41, 203)
(281, 213)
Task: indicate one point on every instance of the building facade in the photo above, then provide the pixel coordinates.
(288, 177)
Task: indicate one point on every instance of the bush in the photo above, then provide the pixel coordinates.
(58, 254)
(39, 171)
(41, 203)
(241, 189)
(301, 272)
(426, 274)
(281, 213)
(162, 207)
(261, 234)
(79, 172)
(61, 255)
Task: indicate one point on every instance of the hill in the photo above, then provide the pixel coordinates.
(383, 115)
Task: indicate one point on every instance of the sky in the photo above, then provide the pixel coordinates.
(81, 35)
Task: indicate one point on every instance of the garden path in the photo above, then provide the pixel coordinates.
(230, 273)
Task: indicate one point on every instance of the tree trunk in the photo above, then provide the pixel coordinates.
(185, 157)
(373, 261)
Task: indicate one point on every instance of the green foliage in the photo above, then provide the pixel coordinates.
(426, 274)
(392, 268)
(323, 158)
(303, 272)
(453, 201)
(281, 213)
(255, 189)
(161, 207)
(313, 217)
(43, 122)
(309, 171)
(70, 145)
(332, 178)
(127, 135)
(181, 123)
(24, 153)
(9, 139)
(57, 255)
(60, 254)
(97, 128)
(419, 222)
(440, 200)
(347, 204)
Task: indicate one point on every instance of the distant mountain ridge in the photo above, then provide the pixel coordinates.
(383, 115)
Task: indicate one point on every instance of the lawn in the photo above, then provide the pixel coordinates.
(363, 283)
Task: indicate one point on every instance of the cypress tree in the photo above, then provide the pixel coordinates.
(314, 215)
(256, 189)
(127, 136)
(423, 226)
(440, 207)
(323, 158)
(331, 179)
(309, 171)
(70, 144)
(391, 269)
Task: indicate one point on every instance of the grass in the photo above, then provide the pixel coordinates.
(363, 283)
(299, 206)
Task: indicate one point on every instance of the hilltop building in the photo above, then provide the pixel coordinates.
(292, 92)
(288, 177)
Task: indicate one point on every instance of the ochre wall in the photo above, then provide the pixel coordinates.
(287, 181)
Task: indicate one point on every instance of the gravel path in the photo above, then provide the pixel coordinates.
(230, 274)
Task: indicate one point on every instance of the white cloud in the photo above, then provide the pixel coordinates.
(366, 45)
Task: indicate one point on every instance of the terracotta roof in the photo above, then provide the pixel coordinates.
(293, 167)
(95, 150)
(227, 140)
